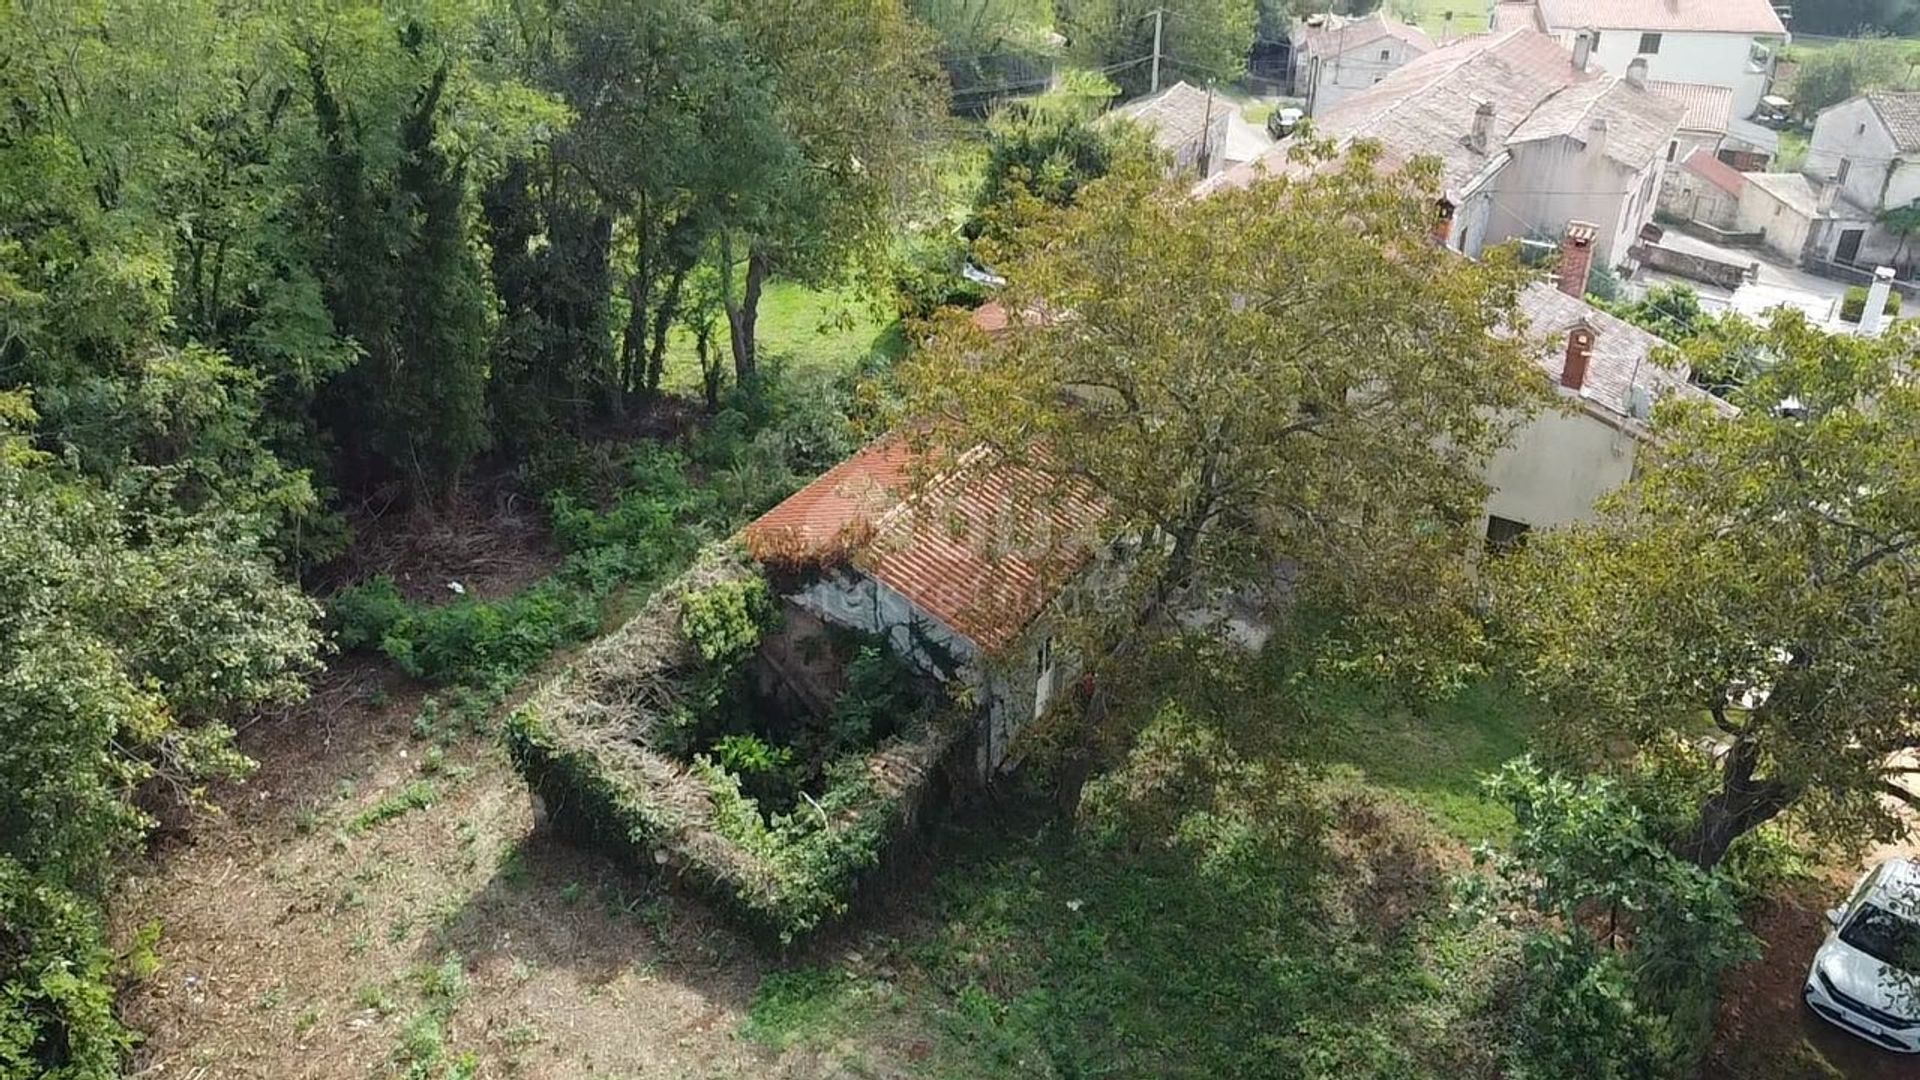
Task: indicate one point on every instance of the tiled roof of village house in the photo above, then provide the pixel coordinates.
(1331, 38)
(1428, 106)
(1509, 14)
(1900, 111)
(1699, 16)
(1622, 353)
(1639, 124)
(1709, 108)
(1177, 115)
(1792, 189)
(981, 548)
(1703, 164)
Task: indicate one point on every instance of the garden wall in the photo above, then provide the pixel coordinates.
(592, 746)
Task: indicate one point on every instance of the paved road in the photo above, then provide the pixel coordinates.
(1245, 141)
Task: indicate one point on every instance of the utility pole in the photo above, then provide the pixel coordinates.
(1206, 135)
(1158, 14)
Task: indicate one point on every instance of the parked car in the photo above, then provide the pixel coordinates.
(1866, 975)
(1283, 122)
(1774, 112)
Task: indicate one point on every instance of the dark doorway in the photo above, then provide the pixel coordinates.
(1849, 247)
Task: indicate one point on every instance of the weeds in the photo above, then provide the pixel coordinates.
(418, 795)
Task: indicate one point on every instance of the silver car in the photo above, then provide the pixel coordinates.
(1866, 975)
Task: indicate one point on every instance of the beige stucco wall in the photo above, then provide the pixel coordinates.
(1555, 467)
(1785, 227)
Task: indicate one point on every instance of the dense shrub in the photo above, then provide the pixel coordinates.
(56, 1002)
(1630, 939)
(1854, 304)
(927, 277)
(724, 621)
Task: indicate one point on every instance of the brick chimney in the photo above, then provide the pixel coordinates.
(1576, 257)
(1579, 354)
(1443, 223)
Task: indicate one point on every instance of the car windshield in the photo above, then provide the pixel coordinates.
(1885, 936)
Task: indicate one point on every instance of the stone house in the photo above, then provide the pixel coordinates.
(956, 570)
(1729, 43)
(1335, 58)
(1529, 137)
(1704, 189)
(1188, 123)
(1559, 464)
(1865, 158)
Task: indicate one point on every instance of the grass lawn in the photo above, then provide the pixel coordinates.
(1433, 755)
(1048, 955)
(816, 332)
(1468, 17)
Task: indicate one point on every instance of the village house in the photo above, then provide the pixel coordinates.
(1335, 58)
(1705, 190)
(1703, 126)
(1188, 123)
(1529, 137)
(1784, 209)
(1864, 160)
(1730, 43)
(1559, 464)
(954, 570)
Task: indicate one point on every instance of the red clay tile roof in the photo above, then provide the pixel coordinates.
(990, 316)
(982, 547)
(1701, 16)
(1714, 171)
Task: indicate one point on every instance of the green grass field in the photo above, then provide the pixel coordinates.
(1443, 19)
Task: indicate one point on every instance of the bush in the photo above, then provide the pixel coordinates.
(724, 620)
(927, 277)
(1854, 304)
(56, 999)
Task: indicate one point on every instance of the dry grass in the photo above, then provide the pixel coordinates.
(292, 949)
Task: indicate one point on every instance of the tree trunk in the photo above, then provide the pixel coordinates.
(709, 366)
(662, 321)
(1741, 805)
(742, 317)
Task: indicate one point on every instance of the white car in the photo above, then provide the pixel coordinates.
(1866, 975)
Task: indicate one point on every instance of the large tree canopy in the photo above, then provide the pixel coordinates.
(1286, 379)
(1754, 582)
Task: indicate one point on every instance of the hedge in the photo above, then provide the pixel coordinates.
(590, 745)
(1854, 304)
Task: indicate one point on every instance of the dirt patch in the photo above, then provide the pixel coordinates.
(490, 539)
(1765, 1032)
(307, 933)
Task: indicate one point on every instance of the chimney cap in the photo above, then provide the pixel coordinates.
(1636, 76)
(1581, 233)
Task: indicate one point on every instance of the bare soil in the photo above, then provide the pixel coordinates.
(295, 934)
(1765, 1032)
(491, 541)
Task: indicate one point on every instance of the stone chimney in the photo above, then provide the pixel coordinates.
(1579, 354)
(1824, 201)
(1582, 49)
(1576, 257)
(1597, 136)
(1873, 314)
(1482, 139)
(1637, 73)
